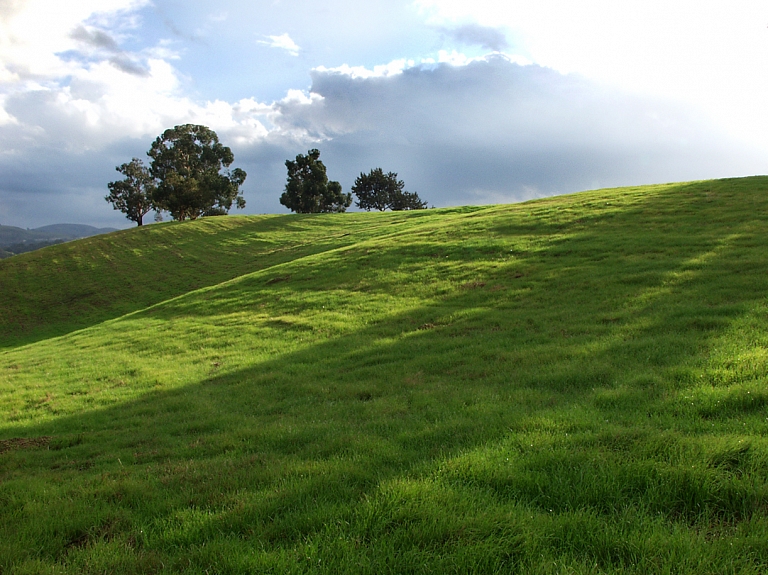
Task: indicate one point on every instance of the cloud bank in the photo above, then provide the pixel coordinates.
(487, 130)
(493, 130)
(79, 98)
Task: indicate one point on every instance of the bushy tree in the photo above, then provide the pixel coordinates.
(308, 189)
(191, 168)
(379, 191)
(374, 190)
(403, 200)
(133, 194)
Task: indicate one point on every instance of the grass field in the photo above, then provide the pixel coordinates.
(569, 385)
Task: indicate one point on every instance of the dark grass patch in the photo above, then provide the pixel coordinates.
(16, 443)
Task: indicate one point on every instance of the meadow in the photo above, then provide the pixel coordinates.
(569, 385)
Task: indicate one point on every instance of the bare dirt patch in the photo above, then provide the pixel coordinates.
(23, 443)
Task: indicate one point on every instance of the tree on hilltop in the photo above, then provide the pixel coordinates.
(404, 200)
(191, 167)
(133, 194)
(379, 191)
(308, 189)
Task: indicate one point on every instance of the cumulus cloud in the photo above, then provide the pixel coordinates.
(283, 42)
(71, 98)
(493, 130)
(95, 38)
(74, 104)
(35, 33)
(711, 55)
(477, 35)
(463, 131)
(484, 130)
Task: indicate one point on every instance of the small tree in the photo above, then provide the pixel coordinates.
(406, 201)
(132, 195)
(308, 189)
(374, 190)
(380, 191)
(191, 167)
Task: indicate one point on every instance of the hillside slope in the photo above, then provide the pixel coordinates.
(15, 240)
(66, 287)
(570, 385)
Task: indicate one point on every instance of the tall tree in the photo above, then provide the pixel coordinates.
(379, 191)
(308, 189)
(374, 190)
(133, 194)
(191, 167)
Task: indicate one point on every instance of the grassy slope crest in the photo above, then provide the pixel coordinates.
(61, 288)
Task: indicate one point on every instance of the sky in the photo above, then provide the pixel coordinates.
(470, 102)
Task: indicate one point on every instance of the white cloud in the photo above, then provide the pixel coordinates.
(381, 71)
(74, 103)
(487, 130)
(34, 34)
(711, 55)
(283, 42)
(396, 67)
(65, 80)
(81, 91)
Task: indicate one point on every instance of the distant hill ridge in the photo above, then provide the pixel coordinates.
(14, 240)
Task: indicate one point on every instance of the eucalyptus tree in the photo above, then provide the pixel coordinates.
(133, 195)
(192, 171)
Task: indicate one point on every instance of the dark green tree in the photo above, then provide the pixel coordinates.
(308, 189)
(403, 200)
(374, 190)
(379, 191)
(191, 167)
(133, 194)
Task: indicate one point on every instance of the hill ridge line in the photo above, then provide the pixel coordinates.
(241, 277)
(416, 229)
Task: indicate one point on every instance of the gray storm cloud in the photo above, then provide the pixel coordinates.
(497, 131)
(97, 40)
(487, 132)
(123, 63)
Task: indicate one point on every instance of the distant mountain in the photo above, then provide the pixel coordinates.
(15, 240)
(73, 230)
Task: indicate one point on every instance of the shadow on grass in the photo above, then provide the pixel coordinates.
(56, 291)
(528, 350)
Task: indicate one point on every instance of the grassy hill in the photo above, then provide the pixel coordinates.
(570, 385)
(15, 240)
(57, 290)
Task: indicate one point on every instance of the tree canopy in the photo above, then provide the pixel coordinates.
(191, 169)
(308, 190)
(379, 191)
(133, 194)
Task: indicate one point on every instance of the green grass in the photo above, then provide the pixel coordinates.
(570, 385)
(55, 291)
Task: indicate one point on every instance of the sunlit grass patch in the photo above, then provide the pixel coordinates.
(571, 385)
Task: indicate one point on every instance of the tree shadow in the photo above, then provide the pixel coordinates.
(50, 293)
(276, 451)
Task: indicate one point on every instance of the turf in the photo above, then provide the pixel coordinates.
(54, 291)
(570, 385)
